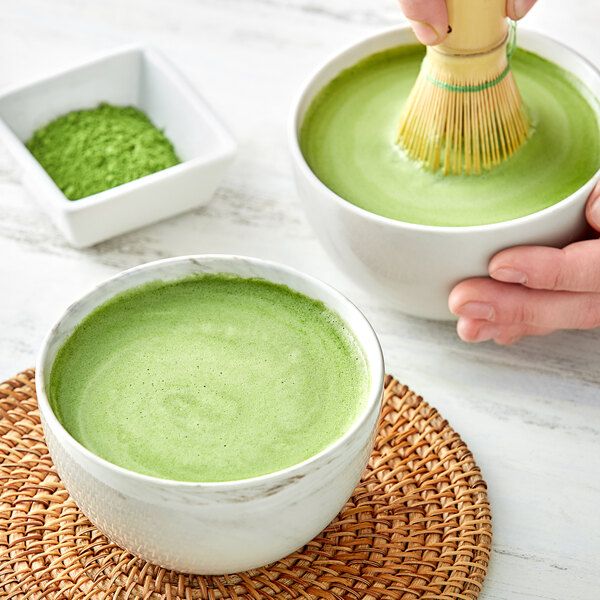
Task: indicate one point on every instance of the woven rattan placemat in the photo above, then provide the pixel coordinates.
(417, 526)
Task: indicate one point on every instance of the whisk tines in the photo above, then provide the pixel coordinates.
(465, 112)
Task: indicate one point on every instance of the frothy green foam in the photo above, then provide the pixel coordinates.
(348, 139)
(209, 378)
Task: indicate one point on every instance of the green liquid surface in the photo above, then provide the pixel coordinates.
(349, 132)
(209, 378)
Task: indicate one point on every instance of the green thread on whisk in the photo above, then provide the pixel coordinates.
(449, 87)
(511, 45)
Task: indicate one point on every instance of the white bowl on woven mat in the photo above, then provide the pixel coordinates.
(416, 266)
(213, 528)
(134, 76)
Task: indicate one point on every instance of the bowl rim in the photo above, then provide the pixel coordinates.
(374, 359)
(307, 173)
(225, 150)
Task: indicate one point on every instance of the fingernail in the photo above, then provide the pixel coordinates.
(426, 32)
(487, 332)
(509, 275)
(519, 8)
(476, 310)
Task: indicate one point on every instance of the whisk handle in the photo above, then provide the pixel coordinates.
(477, 26)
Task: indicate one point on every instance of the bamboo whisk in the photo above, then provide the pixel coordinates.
(465, 113)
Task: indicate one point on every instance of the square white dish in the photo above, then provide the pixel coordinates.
(133, 76)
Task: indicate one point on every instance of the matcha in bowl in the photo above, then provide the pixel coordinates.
(116, 142)
(196, 407)
(89, 151)
(412, 234)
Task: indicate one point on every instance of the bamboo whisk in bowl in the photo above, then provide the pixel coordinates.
(465, 113)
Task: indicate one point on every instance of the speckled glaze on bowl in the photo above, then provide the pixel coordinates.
(415, 266)
(213, 528)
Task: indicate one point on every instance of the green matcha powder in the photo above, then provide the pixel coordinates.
(89, 151)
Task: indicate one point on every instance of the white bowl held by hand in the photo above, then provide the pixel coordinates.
(416, 266)
(138, 77)
(213, 528)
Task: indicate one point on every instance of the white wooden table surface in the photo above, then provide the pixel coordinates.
(530, 413)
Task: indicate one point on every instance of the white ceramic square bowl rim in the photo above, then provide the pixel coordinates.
(225, 149)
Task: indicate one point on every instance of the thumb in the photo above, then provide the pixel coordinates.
(517, 9)
(428, 18)
(592, 209)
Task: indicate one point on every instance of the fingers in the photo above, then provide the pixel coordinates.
(517, 9)
(575, 268)
(515, 305)
(478, 330)
(534, 290)
(592, 209)
(428, 18)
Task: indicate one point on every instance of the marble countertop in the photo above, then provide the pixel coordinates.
(530, 413)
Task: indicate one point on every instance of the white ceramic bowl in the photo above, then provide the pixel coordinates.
(213, 528)
(134, 76)
(416, 266)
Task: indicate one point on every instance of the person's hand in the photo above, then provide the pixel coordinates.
(429, 18)
(533, 290)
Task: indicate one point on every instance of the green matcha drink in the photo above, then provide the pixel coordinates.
(349, 132)
(209, 378)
